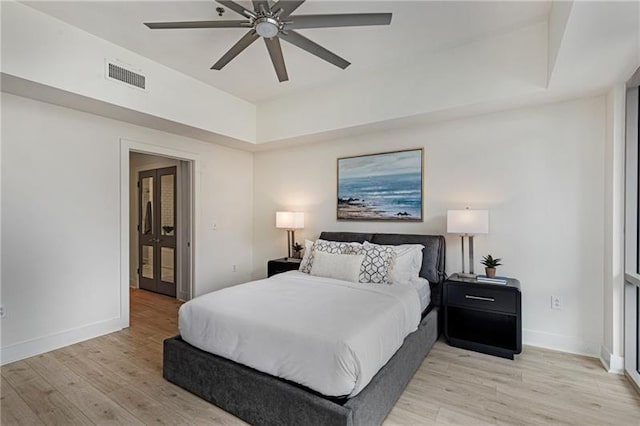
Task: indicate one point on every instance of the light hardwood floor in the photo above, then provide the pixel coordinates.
(117, 379)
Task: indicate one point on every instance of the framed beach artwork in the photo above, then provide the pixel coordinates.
(386, 186)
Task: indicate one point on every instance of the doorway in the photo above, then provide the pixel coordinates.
(160, 224)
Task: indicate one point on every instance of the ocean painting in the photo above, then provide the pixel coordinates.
(384, 186)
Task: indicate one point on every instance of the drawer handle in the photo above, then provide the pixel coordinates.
(486, 299)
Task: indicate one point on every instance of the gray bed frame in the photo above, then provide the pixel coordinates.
(262, 399)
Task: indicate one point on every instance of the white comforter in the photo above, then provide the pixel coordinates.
(329, 335)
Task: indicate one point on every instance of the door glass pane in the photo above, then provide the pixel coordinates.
(166, 264)
(147, 262)
(147, 206)
(167, 194)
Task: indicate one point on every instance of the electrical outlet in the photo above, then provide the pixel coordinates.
(2, 312)
(556, 302)
(234, 268)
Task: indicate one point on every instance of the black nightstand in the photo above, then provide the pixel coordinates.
(483, 317)
(277, 266)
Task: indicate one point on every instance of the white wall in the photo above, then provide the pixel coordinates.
(61, 222)
(539, 171)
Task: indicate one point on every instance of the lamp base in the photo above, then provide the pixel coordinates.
(471, 274)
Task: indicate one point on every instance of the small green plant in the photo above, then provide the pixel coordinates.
(297, 247)
(490, 262)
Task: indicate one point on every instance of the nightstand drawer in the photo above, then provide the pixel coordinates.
(474, 296)
(278, 266)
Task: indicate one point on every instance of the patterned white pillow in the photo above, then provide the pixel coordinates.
(308, 248)
(377, 263)
(332, 247)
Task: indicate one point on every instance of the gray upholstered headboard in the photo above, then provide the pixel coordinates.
(433, 255)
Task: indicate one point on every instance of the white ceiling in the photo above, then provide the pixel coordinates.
(417, 27)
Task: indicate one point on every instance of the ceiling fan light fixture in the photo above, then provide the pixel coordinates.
(267, 27)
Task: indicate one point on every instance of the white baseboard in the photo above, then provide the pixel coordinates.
(40, 345)
(560, 342)
(612, 363)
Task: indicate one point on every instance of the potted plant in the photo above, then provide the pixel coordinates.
(297, 250)
(490, 265)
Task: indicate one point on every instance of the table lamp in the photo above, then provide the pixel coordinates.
(290, 221)
(468, 223)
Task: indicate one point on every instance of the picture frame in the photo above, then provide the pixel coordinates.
(386, 186)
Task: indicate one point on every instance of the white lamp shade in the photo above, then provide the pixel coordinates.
(290, 220)
(468, 222)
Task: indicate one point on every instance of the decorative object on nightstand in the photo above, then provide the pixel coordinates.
(277, 266)
(297, 250)
(468, 223)
(483, 317)
(492, 280)
(490, 265)
(290, 221)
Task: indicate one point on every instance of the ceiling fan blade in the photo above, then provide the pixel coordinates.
(287, 6)
(235, 50)
(275, 51)
(339, 20)
(196, 24)
(314, 48)
(236, 8)
(259, 4)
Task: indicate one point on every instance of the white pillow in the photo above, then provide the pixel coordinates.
(333, 247)
(407, 264)
(308, 247)
(344, 267)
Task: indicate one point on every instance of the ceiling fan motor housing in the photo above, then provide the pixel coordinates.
(267, 27)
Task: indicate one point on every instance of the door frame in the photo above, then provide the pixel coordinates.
(127, 146)
(631, 321)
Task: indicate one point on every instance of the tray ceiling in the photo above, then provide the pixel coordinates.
(417, 28)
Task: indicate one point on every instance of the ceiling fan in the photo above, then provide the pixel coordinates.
(273, 21)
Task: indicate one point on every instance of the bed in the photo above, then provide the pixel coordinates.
(265, 399)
